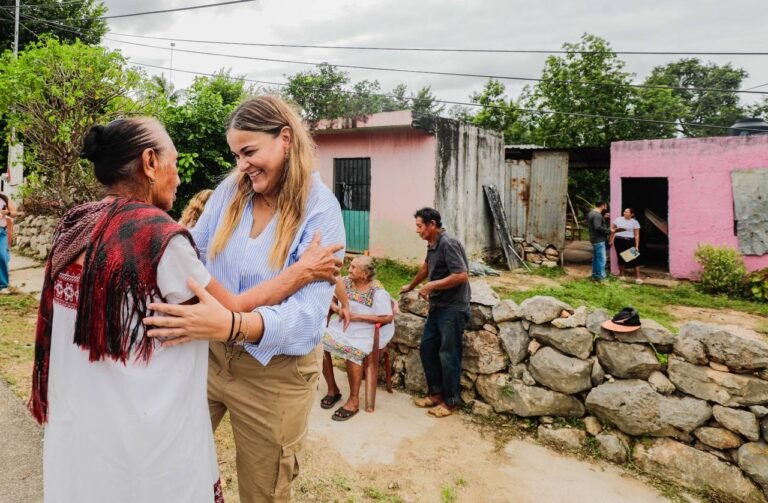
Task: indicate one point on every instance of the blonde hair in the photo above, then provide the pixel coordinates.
(269, 114)
(195, 208)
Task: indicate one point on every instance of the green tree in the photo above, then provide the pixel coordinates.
(424, 102)
(703, 107)
(319, 93)
(500, 113)
(52, 95)
(39, 19)
(160, 88)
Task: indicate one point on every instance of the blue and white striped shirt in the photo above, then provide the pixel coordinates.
(294, 327)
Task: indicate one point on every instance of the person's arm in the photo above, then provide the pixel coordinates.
(450, 281)
(637, 237)
(342, 309)
(456, 261)
(382, 309)
(421, 275)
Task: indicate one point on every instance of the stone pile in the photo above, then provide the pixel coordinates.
(33, 235)
(690, 408)
(536, 254)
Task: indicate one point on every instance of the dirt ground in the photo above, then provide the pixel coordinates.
(684, 314)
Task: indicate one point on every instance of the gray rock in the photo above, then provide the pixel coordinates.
(408, 329)
(507, 395)
(465, 382)
(598, 374)
(738, 348)
(661, 383)
(482, 409)
(415, 380)
(491, 328)
(613, 446)
(561, 373)
(569, 439)
(690, 349)
(592, 425)
(651, 332)
(482, 293)
(526, 324)
(635, 408)
(514, 340)
(753, 459)
(595, 319)
(468, 396)
(739, 421)
(760, 411)
(577, 319)
(506, 310)
(764, 428)
(719, 438)
(483, 353)
(543, 309)
(547, 419)
(527, 378)
(694, 469)
(627, 361)
(571, 341)
(719, 367)
(412, 303)
(724, 388)
(517, 371)
(479, 315)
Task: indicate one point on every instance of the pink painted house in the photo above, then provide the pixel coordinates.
(703, 190)
(385, 167)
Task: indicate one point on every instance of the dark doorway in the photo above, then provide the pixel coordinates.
(352, 186)
(649, 197)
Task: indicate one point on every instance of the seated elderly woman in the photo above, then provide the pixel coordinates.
(369, 304)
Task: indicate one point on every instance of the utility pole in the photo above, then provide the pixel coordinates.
(170, 79)
(15, 172)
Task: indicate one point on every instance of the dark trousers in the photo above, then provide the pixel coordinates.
(441, 347)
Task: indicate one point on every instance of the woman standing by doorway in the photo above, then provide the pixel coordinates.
(626, 235)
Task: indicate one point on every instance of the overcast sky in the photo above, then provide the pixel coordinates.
(681, 25)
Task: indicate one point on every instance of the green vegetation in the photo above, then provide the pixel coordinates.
(393, 275)
(722, 269)
(548, 272)
(448, 494)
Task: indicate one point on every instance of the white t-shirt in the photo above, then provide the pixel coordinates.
(629, 227)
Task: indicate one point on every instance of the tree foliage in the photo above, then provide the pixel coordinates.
(53, 94)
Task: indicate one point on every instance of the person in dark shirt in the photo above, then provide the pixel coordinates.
(598, 235)
(448, 293)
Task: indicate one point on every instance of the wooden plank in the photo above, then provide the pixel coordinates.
(502, 229)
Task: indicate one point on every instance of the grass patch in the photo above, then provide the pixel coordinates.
(448, 494)
(652, 302)
(18, 315)
(393, 275)
(548, 272)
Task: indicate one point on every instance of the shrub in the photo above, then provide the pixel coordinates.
(722, 269)
(756, 285)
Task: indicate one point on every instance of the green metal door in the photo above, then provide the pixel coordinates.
(352, 186)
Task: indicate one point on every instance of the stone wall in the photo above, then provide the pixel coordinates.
(33, 235)
(689, 408)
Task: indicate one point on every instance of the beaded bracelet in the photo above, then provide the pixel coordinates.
(231, 328)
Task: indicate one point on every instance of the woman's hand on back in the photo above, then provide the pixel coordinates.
(319, 262)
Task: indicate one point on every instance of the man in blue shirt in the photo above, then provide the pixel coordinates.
(448, 294)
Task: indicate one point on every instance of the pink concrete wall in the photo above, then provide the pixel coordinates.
(700, 191)
(402, 180)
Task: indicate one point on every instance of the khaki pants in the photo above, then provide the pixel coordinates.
(269, 409)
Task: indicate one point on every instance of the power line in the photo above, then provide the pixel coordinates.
(441, 49)
(163, 11)
(756, 87)
(30, 6)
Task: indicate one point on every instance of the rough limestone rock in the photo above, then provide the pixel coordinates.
(595, 319)
(719, 367)
(558, 372)
(577, 319)
(650, 332)
(760, 411)
(738, 348)
(628, 361)
(592, 425)
(598, 374)
(694, 469)
(543, 309)
(482, 409)
(514, 340)
(661, 383)
(724, 388)
(569, 439)
(764, 428)
(613, 446)
(689, 348)
(517, 371)
(571, 341)
(483, 294)
(483, 353)
(508, 395)
(479, 315)
(415, 380)
(719, 438)
(635, 408)
(412, 303)
(527, 378)
(506, 310)
(408, 329)
(753, 459)
(739, 421)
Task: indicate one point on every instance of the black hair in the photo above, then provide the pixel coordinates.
(601, 203)
(116, 148)
(428, 215)
(631, 210)
(4, 198)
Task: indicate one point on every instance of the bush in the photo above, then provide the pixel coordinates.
(722, 269)
(756, 285)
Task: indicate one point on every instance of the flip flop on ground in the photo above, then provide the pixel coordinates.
(424, 403)
(343, 414)
(440, 411)
(329, 401)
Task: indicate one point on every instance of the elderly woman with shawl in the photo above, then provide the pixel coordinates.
(127, 418)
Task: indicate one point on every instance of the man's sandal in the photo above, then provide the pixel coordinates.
(329, 401)
(424, 403)
(343, 414)
(440, 411)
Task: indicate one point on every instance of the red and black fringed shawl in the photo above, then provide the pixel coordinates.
(123, 241)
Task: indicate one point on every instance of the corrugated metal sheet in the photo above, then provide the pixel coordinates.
(518, 178)
(548, 198)
(750, 203)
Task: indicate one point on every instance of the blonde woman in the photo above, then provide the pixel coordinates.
(262, 367)
(195, 208)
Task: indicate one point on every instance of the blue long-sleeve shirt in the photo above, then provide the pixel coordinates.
(295, 326)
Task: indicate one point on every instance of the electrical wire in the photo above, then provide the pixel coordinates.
(162, 11)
